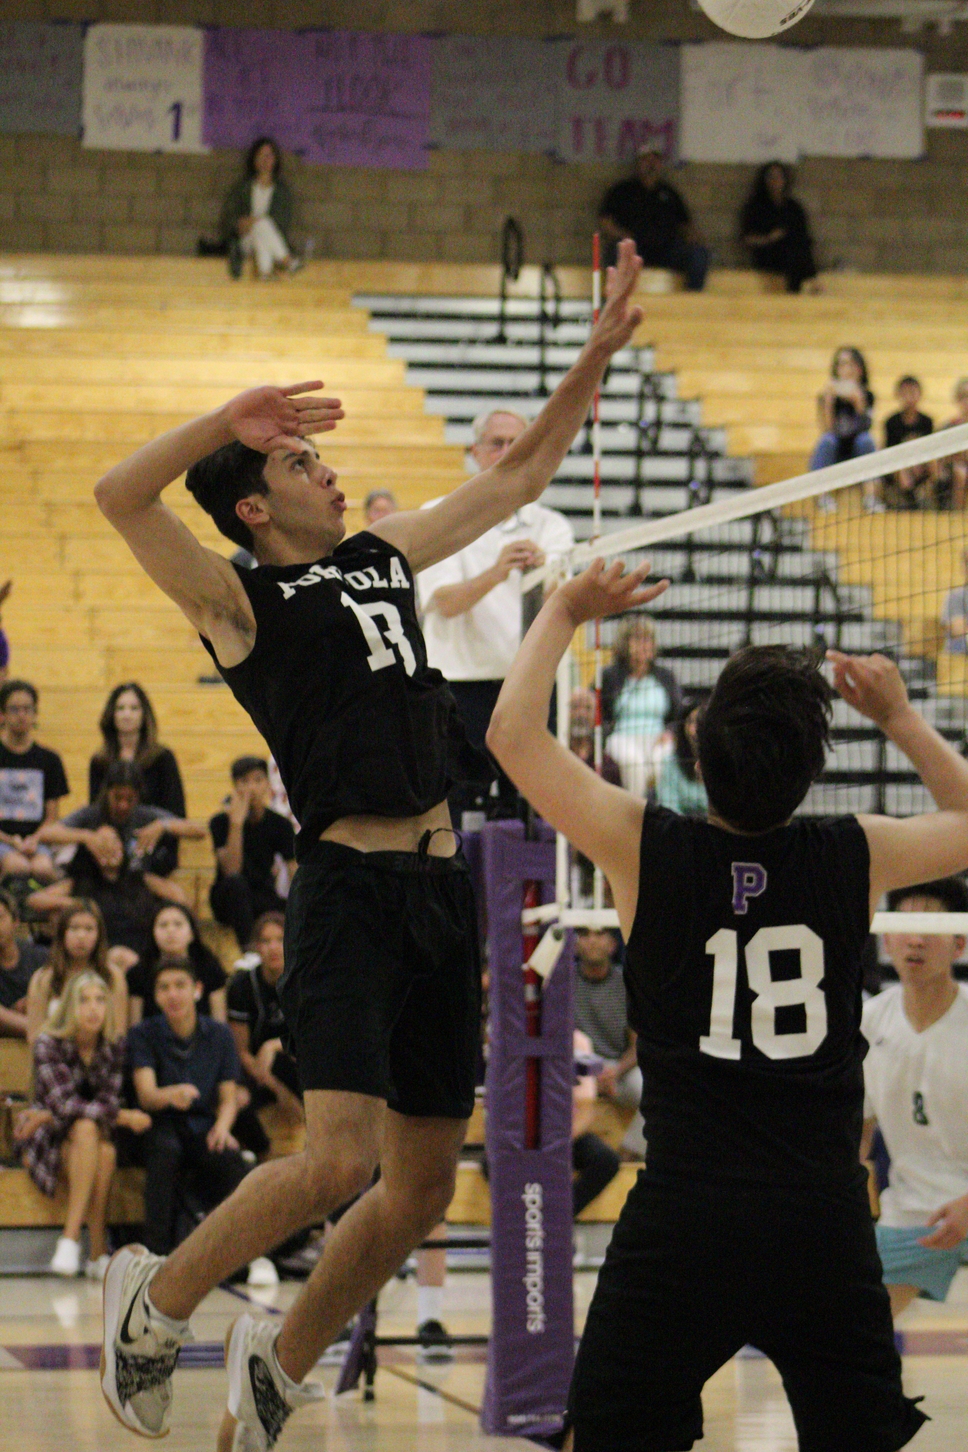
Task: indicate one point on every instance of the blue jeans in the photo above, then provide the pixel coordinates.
(829, 447)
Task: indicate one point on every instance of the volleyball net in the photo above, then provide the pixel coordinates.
(866, 555)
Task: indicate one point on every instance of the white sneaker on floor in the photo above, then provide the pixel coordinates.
(66, 1260)
(96, 1270)
(261, 1397)
(139, 1351)
(262, 1272)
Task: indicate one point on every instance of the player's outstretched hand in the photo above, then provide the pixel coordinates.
(607, 591)
(619, 319)
(872, 684)
(951, 1223)
(280, 418)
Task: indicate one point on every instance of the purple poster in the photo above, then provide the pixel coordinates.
(337, 97)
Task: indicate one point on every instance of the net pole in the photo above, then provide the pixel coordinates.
(599, 746)
(562, 853)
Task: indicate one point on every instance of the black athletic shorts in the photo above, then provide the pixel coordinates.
(694, 1272)
(382, 988)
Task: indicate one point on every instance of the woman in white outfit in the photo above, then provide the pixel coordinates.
(257, 214)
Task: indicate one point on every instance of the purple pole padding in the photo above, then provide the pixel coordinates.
(532, 1346)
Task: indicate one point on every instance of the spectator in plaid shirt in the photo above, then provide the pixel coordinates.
(77, 1104)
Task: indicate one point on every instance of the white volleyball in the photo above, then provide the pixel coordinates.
(755, 19)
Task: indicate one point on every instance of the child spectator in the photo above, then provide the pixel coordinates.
(257, 1024)
(76, 1108)
(679, 785)
(174, 933)
(954, 614)
(775, 229)
(639, 699)
(185, 1070)
(844, 411)
(257, 214)
(5, 589)
(909, 488)
(953, 471)
(251, 843)
(32, 782)
(601, 1012)
(916, 1088)
(129, 731)
(80, 945)
(19, 960)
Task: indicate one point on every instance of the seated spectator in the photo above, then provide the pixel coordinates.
(19, 961)
(639, 699)
(954, 614)
(130, 733)
(257, 1024)
(775, 229)
(76, 1109)
(251, 842)
(32, 782)
(909, 488)
(257, 214)
(185, 1070)
(378, 504)
(174, 933)
(844, 411)
(595, 1163)
(648, 209)
(953, 471)
(581, 735)
(125, 855)
(5, 589)
(601, 1012)
(80, 945)
(678, 783)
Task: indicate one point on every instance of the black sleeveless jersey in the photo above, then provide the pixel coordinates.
(338, 684)
(744, 983)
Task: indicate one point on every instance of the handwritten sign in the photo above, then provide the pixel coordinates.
(143, 88)
(493, 94)
(615, 96)
(739, 102)
(40, 78)
(859, 101)
(338, 98)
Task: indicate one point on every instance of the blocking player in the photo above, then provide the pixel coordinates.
(750, 1222)
(916, 1090)
(320, 644)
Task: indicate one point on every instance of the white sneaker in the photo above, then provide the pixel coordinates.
(95, 1270)
(262, 1272)
(139, 1351)
(66, 1260)
(261, 1397)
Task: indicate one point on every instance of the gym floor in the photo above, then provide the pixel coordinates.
(50, 1398)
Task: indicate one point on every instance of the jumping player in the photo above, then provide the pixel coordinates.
(750, 1222)
(320, 644)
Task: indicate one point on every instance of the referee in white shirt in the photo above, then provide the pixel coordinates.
(472, 602)
(916, 1092)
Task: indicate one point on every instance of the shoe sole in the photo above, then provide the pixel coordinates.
(226, 1432)
(111, 1310)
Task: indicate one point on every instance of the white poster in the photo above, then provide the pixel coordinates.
(739, 102)
(495, 94)
(143, 88)
(861, 101)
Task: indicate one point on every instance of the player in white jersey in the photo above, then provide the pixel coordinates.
(916, 1091)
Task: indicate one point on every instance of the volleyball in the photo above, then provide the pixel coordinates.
(755, 19)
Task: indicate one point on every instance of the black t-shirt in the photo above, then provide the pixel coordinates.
(261, 840)
(253, 1001)
(28, 780)
(206, 1060)
(654, 216)
(898, 431)
(140, 978)
(761, 216)
(15, 981)
(162, 782)
(743, 972)
(339, 686)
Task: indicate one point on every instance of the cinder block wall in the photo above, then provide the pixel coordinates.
(887, 216)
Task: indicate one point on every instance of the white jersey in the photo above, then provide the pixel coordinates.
(916, 1087)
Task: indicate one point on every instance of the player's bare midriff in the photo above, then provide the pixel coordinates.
(395, 834)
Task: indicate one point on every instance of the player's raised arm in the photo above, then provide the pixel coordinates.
(200, 581)
(601, 820)
(522, 475)
(908, 850)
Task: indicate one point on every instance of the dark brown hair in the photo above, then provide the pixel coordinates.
(148, 747)
(59, 963)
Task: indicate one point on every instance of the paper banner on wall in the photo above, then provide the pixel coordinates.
(40, 78)
(615, 96)
(862, 101)
(143, 88)
(493, 94)
(337, 98)
(739, 102)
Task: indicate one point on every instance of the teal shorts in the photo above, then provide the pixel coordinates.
(906, 1263)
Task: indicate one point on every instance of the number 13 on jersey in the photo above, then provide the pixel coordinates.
(770, 994)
